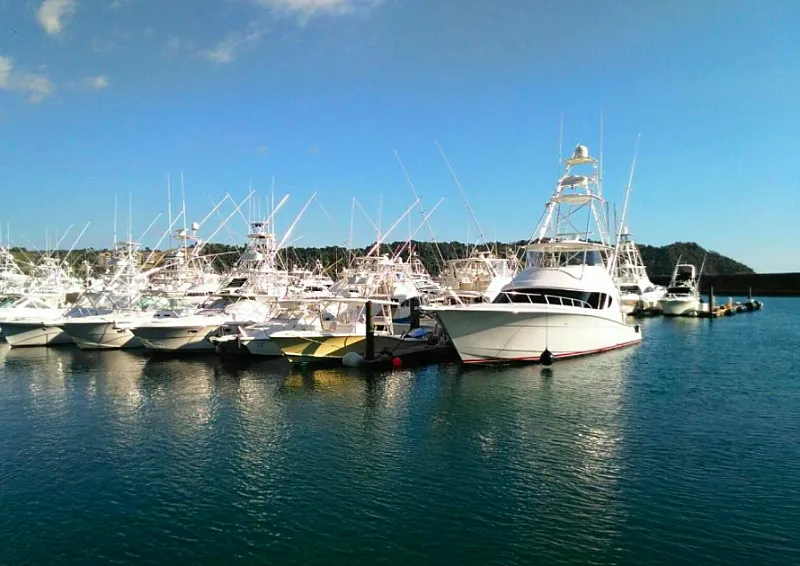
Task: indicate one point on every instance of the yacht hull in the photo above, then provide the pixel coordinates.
(487, 336)
(630, 301)
(327, 348)
(100, 335)
(28, 334)
(262, 347)
(176, 338)
(679, 307)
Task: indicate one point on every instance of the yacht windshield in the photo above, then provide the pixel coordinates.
(562, 297)
(563, 258)
(679, 290)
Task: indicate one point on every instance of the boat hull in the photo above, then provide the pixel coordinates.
(487, 336)
(679, 307)
(320, 348)
(176, 338)
(262, 347)
(100, 335)
(28, 334)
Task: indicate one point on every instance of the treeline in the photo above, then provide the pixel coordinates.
(660, 261)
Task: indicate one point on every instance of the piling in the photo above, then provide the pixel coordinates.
(369, 355)
(711, 301)
(413, 304)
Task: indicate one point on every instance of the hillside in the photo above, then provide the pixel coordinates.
(660, 261)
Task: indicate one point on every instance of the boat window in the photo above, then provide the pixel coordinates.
(630, 289)
(560, 297)
(236, 283)
(562, 258)
(679, 290)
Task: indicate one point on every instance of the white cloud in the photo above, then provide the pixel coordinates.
(53, 15)
(308, 6)
(230, 48)
(95, 83)
(37, 87)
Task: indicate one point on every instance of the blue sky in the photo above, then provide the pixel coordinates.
(99, 97)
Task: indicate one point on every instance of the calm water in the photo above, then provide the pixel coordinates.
(685, 449)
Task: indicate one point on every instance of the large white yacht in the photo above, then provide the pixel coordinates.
(683, 296)
(636, 289)
(565, 302)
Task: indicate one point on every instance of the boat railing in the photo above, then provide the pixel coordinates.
(553, 300)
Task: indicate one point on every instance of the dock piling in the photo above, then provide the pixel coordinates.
(711, 301)
(369, 355)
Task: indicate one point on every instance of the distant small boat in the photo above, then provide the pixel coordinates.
(683, 295)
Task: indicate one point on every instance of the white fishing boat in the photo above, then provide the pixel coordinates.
(636, 289)
(247, 296)
(105, 319)
(565, 302)
(28, 321)
(12, 279)
(683, 296)
(345, 333)
(477, 278)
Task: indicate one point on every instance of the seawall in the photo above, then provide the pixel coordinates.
(763, 284)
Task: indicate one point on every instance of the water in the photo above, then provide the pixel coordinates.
(682, 450)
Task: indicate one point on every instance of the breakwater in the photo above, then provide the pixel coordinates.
(762, 284)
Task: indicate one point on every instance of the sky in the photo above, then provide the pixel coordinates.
(105, 99)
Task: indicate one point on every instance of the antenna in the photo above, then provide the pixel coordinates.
(115, 221)
(380, 215)
(130, 217)
(463, 195)
(183, 205)
(169, 202)
(272, 205)
(600, 161)
(561, 141)
(378, 243)
(352, 216)
(628, 189)
(421, 208)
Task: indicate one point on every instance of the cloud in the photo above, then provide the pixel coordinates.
(232, 47)
(37, 87)
(262, 149)
(95, 83)
(53, 15)
(310, 6)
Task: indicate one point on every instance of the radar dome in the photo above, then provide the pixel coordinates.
(581, 152)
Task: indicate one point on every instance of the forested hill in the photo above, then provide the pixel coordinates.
(662, 260)
(659, 260)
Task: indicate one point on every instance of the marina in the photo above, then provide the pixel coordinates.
(399, 282)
